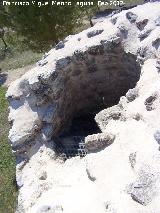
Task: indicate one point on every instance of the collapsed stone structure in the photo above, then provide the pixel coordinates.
(109, 72)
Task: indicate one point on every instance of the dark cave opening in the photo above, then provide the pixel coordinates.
(82, 125)
(88, 91)
(71, 142)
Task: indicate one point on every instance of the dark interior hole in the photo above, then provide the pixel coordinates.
(86, 93)
(82, 125)
(71, 142)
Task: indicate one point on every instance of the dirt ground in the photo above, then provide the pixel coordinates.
(13, 74)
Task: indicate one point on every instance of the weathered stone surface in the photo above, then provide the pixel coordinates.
(142, 24)
(108, 72)
(60, 45)
(131, 17)
(94, 33)
(144, 34)
(42, 62)
(157, 21)
(156, 43)
(157, 136)
(132, 94)
(98, 142)
(144, 189)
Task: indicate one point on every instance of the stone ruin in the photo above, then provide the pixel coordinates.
(87, 102)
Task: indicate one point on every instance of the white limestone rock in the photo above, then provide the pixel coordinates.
(120, 174)
(98, 142)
